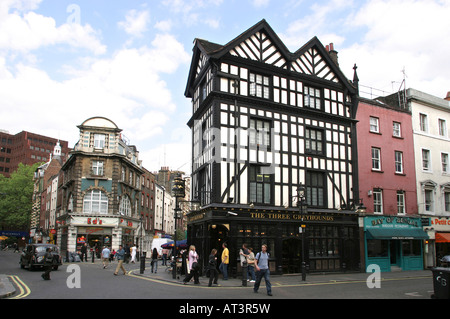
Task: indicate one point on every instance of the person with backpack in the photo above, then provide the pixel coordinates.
(48, 264)
(262, 270)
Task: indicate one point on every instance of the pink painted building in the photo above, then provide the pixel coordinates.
(387, 182)
(392, 229)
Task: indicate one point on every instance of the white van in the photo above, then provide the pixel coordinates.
(156, 243)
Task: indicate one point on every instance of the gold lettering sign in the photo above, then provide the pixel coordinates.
(287, 216)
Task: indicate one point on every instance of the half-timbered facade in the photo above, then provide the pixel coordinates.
(265, 121)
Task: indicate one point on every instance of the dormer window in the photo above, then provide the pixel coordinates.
(99, 141)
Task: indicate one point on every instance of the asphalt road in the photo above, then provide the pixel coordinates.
(90, 281)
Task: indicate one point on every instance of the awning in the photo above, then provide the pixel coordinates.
(442, 237)
(395, 233)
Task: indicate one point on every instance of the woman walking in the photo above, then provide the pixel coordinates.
(155, 260)
(193, 266)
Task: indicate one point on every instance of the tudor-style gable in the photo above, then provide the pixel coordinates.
(260, 47)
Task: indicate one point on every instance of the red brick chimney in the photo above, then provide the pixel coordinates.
(448, 96)
(333, 53)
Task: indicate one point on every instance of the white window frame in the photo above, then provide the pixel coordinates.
(442, 126)
(95, 201)
(125, 206)
(97, 168)
(423, 122)
(445, 163)
(376, 158)
(378, 201)
(396, 129)
(398, 156)
(99, 141)
(401, 206)
(374, 125)
(426, 160)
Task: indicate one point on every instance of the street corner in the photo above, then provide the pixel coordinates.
(7, 289)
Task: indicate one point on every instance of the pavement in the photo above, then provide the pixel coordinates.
(7, 288)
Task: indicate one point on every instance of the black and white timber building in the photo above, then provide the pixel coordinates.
(264, 121)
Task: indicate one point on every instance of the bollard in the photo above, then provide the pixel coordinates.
(142, 260)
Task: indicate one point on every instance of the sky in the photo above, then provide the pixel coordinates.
(62, 62)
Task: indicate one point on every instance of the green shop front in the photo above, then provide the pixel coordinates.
(394, 242)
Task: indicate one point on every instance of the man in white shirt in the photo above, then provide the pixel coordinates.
(105, 256)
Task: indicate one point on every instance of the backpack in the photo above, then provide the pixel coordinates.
(48, 258)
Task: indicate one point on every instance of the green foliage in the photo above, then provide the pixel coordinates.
(16, 195)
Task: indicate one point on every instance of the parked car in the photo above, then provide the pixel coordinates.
(445, 261)
(33, 256)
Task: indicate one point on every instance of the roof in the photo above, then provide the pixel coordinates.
(215, 51)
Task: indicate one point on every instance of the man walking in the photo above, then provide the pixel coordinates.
(120, 254)
(225, 260)
(48, 264)
(105, 256)
(262, 268)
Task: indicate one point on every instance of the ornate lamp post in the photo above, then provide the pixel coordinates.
(178, 190)
(301, 199)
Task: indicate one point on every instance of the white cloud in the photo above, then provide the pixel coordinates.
(24, 31)
(401, 34)
(165, 25)
(317, 23)
(192, 12)
(260, 3)
(128, 88)
(135, 22)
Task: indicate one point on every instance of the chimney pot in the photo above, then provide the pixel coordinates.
(448, 96)
(333, 54)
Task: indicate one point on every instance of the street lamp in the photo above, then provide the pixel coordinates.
(178, 190)
(301, 198)
(142, 259)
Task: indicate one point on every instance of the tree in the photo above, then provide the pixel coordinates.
(16, 194)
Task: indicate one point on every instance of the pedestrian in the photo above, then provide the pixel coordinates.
(165, 253)
(84, 252)
(212, 271)
(251, 264)
(105, 256)
(120, 255)
(154, 260)
(48, 264)
(193, 266)
(133, 254)
(225, 261)
(262, 270)
(127, 253)
(243, 254)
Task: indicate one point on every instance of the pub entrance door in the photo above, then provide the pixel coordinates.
(292, 255)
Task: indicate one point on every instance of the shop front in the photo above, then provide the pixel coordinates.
(438, 245)
(96, 232)
(331, 239)
(394, 242)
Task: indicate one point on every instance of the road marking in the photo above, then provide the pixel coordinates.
(274, 285)
(24, 290)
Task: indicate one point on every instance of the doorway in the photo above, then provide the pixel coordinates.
(292, 256)
(394, 252)
(219, 235)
